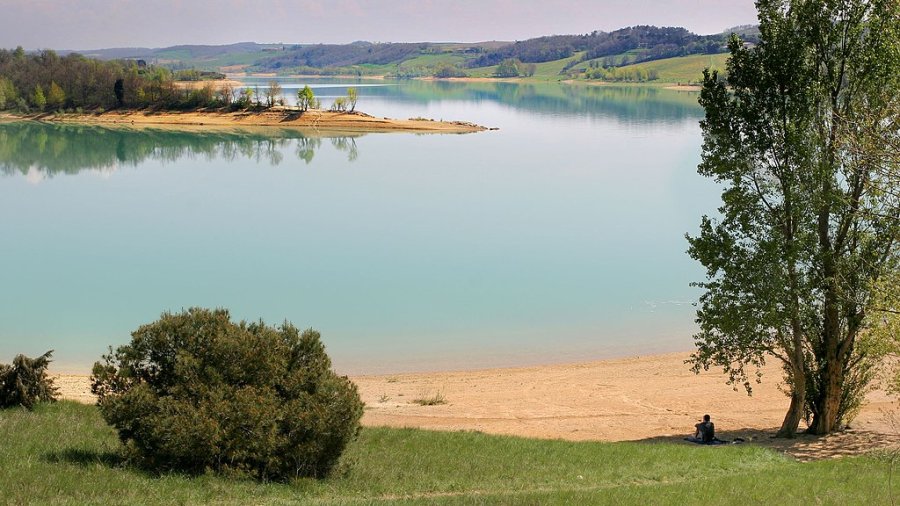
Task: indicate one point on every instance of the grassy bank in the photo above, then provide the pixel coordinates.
(64, 453)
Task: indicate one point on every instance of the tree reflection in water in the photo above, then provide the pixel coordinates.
(53, 149)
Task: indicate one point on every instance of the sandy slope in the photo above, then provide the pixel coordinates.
(654, 398)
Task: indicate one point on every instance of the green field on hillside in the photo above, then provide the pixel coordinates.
(683, 69)
(65, 454)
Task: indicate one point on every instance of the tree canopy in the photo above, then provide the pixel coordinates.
(799, 136)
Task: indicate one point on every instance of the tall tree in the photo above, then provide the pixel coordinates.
(119, 91)
(38, 98)
(807, 229)
(273, 91)
(352, 97)
(56, 97)
(305, 98)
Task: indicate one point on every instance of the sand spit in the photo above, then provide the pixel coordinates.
(349, 122)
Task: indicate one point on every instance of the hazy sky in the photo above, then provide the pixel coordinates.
(91, 24)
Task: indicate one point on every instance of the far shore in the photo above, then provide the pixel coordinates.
(317, 120)
(653, 398)
(668, 85)
(215, 83)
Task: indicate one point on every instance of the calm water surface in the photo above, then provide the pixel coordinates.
(559, 237)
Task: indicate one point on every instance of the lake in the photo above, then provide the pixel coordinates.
(557, 238)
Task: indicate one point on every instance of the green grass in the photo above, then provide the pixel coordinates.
(433, 60)
(684, 69)
(64, 454)
(615, 59)
(546, 71)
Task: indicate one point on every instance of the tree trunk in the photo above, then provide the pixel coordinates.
(795, 412)
(798, 386)
(828, 403)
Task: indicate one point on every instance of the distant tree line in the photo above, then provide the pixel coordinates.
(513, 67)
(622, 74)
(197, 75)
(654, 42)
(320, 56)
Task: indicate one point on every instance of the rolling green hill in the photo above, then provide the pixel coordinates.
(684, 69)
(678, 53)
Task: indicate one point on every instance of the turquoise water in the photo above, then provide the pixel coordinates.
(559, 237)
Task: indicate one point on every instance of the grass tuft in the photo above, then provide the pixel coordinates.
(433, 400)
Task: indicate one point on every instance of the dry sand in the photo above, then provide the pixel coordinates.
(349, 122)
(684, 87)
(653, 398)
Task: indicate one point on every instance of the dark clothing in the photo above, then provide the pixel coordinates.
(706, 432)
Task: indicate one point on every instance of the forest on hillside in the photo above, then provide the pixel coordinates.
(647, 42)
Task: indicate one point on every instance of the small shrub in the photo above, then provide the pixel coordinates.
(434, 400)
(25, 382)
(194, 391)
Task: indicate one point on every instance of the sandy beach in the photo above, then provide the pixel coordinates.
(350, 122)
(650, 398)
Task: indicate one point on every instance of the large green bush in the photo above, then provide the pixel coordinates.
(194, 391)
(25, 382)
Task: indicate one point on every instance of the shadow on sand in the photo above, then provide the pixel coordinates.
(804, 447)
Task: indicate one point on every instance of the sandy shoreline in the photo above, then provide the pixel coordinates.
(355, 122)
(217, 84)
(651, 398)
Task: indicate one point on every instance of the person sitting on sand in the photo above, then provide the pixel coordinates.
(706, 431)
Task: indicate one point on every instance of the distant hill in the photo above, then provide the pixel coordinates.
(555, 55)
(654, 42)
(183, 54)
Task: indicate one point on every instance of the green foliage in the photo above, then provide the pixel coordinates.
(56, 97)
(446, 70)
(352, 98)
(244, 99)
(38, 100)
(197, 75)
(25, 382)
(95, 85)
(8, 94)
(625, 74)
(339, 104)
(807, 225)
(194, 391)
(306, 99)
(510, 67)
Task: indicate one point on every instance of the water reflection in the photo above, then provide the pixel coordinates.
(45, 150)
(621, 103)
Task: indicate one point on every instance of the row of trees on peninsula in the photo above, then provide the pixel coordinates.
(44, 81)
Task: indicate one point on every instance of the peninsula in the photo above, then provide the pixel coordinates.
(319, 120)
